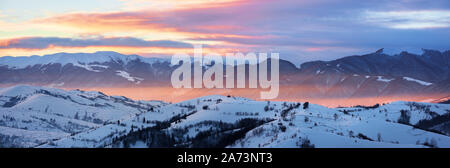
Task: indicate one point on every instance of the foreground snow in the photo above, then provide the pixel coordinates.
(46, 117)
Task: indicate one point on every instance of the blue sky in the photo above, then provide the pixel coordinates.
(298, 30)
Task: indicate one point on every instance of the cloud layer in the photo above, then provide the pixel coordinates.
(300, 30)
(46, 42)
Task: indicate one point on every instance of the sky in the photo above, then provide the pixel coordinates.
(300, 30)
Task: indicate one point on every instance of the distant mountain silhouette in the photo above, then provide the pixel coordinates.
(374, 74)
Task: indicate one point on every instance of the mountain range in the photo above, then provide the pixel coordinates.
(361, 76)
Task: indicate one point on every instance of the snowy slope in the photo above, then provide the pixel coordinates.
(360, 128)
(323, 129)
(59, 113)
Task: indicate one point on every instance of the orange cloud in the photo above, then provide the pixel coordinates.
(179, 22)
(177, 4)
(121, 49)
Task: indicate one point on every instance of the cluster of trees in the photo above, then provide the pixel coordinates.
(405, 116)
(288, 108)
(8, 118)
(88, 118)
(304, 143)
(227, 135)
(347, 111)
(268, 107)
(219, 135)
(189, 107)
(368, 107)
(431, 143)
(7, 141)
(283, 128)
(246, 113)
(424, 108)
(152, 137)
(13, 101)
(428, 124)
(305, 105)
(156, 136)
(335, 116)
(362, 136)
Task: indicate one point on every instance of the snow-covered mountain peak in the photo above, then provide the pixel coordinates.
(26, 90)
(73, 58)
(18, 90)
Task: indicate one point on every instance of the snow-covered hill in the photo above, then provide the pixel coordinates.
(34, 115)
(46, 117)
